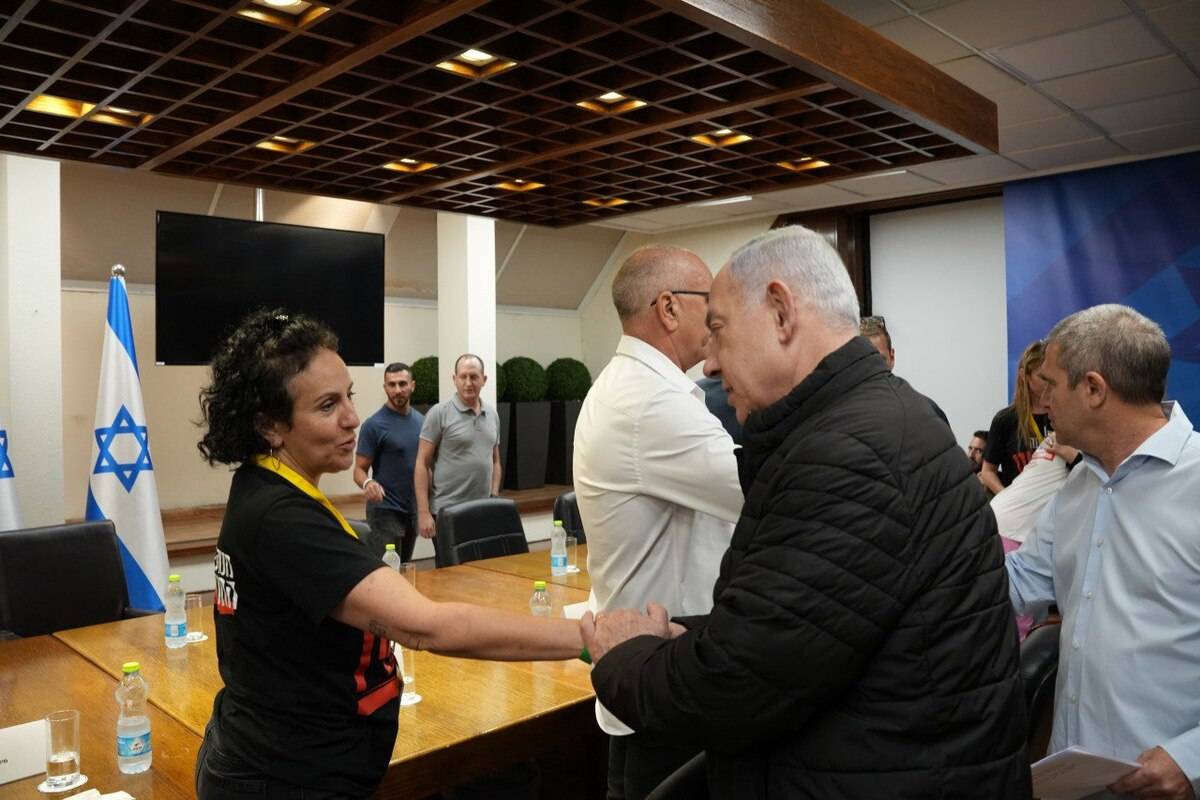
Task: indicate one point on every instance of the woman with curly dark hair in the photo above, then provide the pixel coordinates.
(304, 611)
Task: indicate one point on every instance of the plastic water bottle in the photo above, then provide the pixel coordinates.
(391, 557)
(539, 603)
(133, 724)
(558, 549)
(175, 624)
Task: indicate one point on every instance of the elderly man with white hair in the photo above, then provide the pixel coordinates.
(861, 643)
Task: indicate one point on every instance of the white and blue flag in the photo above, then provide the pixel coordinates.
(10, 514)
(122, 486)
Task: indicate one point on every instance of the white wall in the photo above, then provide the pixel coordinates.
(937, 277)
(170, 393)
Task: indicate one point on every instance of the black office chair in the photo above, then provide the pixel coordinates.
(60, 577)
(689, 782)
(1039, 671)
(479, 529)
(566, 509)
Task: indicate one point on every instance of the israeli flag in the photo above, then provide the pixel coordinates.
(10, 515)
(122, 486)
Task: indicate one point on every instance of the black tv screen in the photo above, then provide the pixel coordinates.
(211, 271)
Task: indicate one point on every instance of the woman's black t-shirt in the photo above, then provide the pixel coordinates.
(307, 700)
(1004, 448)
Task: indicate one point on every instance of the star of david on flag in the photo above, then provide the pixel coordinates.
(126, 472)
(10, 517)
(122, 485)
(6, 467)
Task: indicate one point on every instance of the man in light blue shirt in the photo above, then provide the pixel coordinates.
(1118, 549)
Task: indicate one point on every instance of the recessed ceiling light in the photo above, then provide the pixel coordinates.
(605, 202)
(409, 165)
(519, 185)
(475, 64)
(289, 14)
(722, 201)
(722, 137)
(611, 103)
(76, 109)
(477, 57)
(802, 164)
(285, 144)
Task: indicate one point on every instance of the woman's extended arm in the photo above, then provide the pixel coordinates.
(385, 604)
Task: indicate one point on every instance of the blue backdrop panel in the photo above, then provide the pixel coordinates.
(1125, 234)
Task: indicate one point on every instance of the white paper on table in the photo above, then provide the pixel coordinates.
(22, 750)
(575, 610)
(1075, 772)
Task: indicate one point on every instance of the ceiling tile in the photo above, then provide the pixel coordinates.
(634, 223)
(1123, 84)
(1180, 23)
(981, 76)
(970, 170)
(1024, 105)
(988, 24)
(1076, 153)
(886, 183)
(921, 40)
(821, 196)
(868, 12)
(1115, 42)
(1167, 110)
(1044, 133)
(1168, 137)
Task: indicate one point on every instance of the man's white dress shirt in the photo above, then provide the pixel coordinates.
(657, 486)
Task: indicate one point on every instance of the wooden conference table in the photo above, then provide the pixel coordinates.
(475, 717)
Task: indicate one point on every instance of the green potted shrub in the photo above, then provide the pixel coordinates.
(504, 412)
(567, 383)
(425, 377)
(529, 433)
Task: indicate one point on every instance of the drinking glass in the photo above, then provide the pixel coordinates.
(62, 750)
(195, 619)
(572, 554)
(404, 655)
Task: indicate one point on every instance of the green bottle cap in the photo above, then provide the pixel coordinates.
(390, 547)
(130, 667)
(172, 579)
(539, 585)
(558, 523)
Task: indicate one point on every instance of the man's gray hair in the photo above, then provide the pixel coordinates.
(646, 272)
(809, 266)
(1127, 348)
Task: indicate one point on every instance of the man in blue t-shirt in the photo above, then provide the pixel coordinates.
(387, 446)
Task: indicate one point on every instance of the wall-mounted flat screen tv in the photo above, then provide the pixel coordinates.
(211, 271)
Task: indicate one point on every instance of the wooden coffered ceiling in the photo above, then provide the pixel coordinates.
(346, 98)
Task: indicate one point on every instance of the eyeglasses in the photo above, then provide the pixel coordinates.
(874, 320)
(680, 291)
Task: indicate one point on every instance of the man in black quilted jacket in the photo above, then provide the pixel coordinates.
(861, 642)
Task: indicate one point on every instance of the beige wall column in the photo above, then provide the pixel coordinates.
(31, 334)
(466, 302)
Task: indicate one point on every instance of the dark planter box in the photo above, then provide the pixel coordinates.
(504, 412)
(563, 416)
(527, 439)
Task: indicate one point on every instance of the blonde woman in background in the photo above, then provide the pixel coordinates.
(1019, 428)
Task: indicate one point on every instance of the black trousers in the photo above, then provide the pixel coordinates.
(221, 775)
(389, 526)
(636, 764)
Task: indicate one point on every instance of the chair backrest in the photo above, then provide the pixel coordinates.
(61, 576)
(566, 509)
(689, 782)
(479, 529)
(1039, 671)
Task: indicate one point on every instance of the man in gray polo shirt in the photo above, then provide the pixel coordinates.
(458, 457)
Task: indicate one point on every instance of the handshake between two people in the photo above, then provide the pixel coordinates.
(606, 630)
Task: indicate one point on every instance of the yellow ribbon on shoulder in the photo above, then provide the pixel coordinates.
(272, 464)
